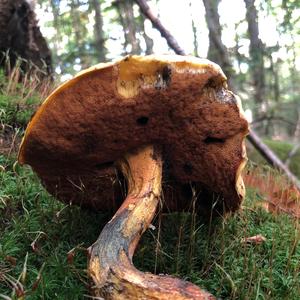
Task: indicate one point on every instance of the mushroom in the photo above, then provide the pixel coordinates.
(139, 117)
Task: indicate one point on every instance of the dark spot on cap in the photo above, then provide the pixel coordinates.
(166, 75)
(213, 140)
(188, 168)
(142, 121)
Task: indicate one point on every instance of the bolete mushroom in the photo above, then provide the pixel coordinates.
(140, 116)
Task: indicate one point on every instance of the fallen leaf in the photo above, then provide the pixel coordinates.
(256, 239)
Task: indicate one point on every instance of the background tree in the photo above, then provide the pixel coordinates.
(257, 55)
(98, 30)
(217, 52)
(128, 21)
(20, 37)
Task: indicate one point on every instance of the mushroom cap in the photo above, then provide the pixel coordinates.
(181, 103)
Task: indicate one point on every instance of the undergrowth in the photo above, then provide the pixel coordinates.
(43, 242)
(20, 94)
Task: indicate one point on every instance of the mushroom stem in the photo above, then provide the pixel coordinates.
(110, 266)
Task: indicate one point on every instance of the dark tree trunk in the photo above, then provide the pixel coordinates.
(257, 55)
(98, 30)
(20, 37)
(148, 41)
(217, 52)
(125, 9)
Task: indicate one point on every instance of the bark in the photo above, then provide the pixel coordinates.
(257, 55)
(255, 140)
(20, 37)
(217, 52)
(128, 22)
(98, 30)
(148, 41)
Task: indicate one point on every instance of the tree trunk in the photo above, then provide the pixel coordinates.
(79, 31)
(255, 140)
(297, 129)
(55, 12)
(98, 31)
(20, 37)
(148, 41)
(128, 22)
(194, 28)
(257, 55)
(217, 52)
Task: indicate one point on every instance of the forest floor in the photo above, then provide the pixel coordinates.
(43, 243)
(43, 246)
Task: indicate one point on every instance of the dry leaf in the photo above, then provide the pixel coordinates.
(256, 239)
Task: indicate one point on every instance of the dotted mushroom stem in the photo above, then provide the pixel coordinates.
(110, 266)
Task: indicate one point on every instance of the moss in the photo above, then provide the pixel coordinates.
(210, 255)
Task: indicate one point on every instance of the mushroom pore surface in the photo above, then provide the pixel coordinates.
(179, 103)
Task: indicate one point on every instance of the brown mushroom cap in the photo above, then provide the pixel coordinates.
(181, 103)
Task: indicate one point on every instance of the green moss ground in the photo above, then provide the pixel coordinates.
(210, 255)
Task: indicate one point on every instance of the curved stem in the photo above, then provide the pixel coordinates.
(111, 267)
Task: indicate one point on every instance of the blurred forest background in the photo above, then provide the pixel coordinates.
(257, 43)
